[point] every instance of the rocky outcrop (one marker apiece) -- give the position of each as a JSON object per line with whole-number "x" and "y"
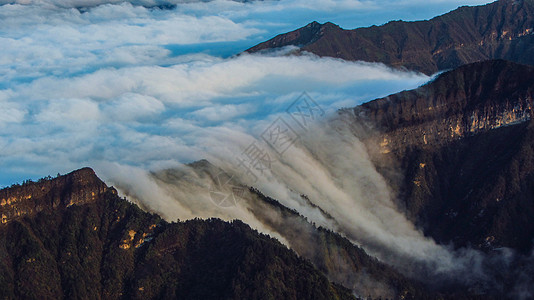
{"x": 500, "y": 30}
{"x": 76, "y": 188}
{"x": 469, "y": 100}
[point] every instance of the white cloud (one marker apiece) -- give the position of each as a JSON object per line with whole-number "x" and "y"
{"x": 144, "y": 114}
{"x": 69, "y": 110}
{"x": 223, "y": 112}
{"x": 10, "y": 112}
{"x": 130, "y": 107}
{"x": 118, "y": 83}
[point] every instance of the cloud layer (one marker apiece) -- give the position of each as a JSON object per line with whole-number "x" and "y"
{"x": 104, "y": 85}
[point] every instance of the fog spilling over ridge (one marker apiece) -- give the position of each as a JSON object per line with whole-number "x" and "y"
{"x": 158, "y": 99}
{"x": 343, "y": 192}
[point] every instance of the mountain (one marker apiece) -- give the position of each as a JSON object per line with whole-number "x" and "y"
{"x": 73, "y": 237}
{"x": 460, "y": 152}
{"x": 499, "y": 30}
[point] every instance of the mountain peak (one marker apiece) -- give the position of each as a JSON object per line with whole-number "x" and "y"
{"x": 300, "y": 37}
{"x": 313, "y": 24}
{"x": 78, "y": 187}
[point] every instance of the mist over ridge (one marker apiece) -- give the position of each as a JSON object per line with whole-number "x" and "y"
{"x": 161, "y": 102}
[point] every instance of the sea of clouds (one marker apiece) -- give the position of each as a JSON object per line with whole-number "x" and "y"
{"x": 131, "y": 88}
{"x": 83, "y": 83}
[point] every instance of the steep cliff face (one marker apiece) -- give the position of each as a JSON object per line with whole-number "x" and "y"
{"x": 502, "y": 29}
{"x": 82, "y": 186}
{"x": 463, "y": 145}
{"x": 467, "y": 101}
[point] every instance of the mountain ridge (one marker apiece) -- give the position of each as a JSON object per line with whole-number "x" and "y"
{"x": 333, "y": 254}
{"x": 471, "y": 99}
{"x": 94, "y": 246}
{"x": 79, "y": 211}
{"x": 499, "y": 30}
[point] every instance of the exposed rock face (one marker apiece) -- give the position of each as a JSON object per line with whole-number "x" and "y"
{"x": 464, "y": 147}
{"x": 79, "y": 187}
{"x": 74, "y": 238}
{"x": 502, "y": 29}
{"x": 469, "y": 100}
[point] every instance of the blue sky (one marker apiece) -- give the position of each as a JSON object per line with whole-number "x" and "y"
{"x": 119, "y": 83}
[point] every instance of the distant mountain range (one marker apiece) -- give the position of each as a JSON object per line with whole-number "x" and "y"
{"x": 463, "y": 140}
{"x": 500, "y": 30}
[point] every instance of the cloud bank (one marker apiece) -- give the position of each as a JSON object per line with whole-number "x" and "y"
{"x": 148, "y": 115}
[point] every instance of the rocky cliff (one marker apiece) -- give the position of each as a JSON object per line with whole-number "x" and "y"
{"x": 500, "y": 30}
{"x": 82, "y": 186}
{"x": 469, "y": 100}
